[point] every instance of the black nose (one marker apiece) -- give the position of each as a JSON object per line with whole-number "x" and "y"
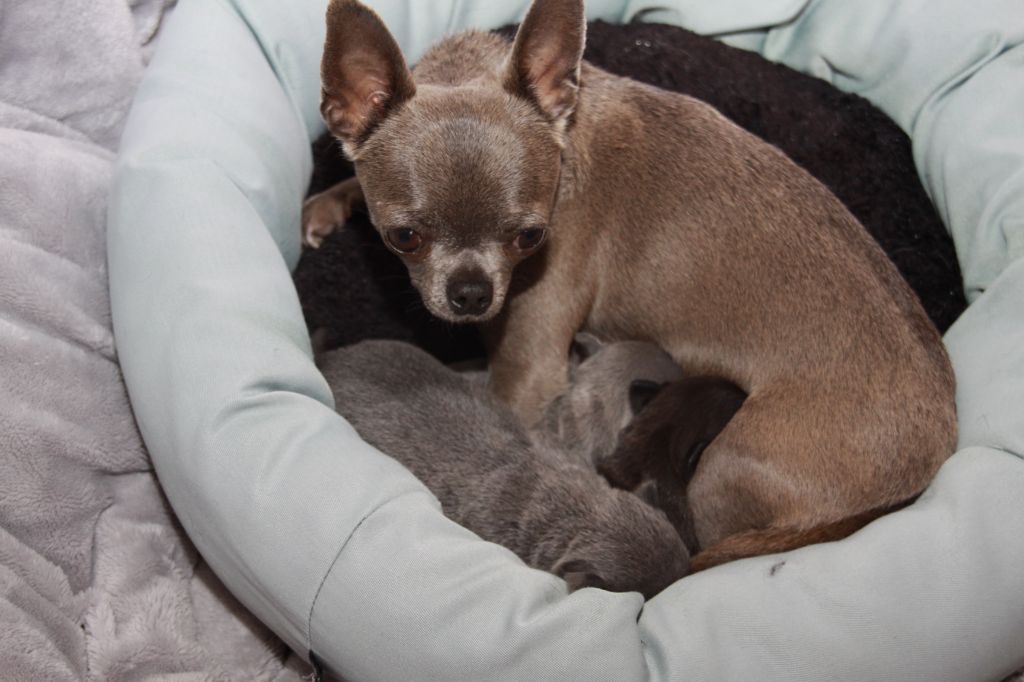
{"x": 470, "y": 297}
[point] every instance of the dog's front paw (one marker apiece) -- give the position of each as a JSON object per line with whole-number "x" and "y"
{"x": 320, "y": 217}
{"x": 325, "y": 212}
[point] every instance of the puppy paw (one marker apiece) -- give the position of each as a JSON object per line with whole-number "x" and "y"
{"x": 323, "y": 213}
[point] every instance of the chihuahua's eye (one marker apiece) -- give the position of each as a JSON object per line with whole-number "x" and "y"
{"x": 405, "y": 240}
{"x": 530, "y": 238}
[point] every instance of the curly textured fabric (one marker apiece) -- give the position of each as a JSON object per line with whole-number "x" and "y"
{"x": 342, "y": 551}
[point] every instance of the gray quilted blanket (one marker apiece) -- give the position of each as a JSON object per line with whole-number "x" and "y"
{"x": 97, "y": 581}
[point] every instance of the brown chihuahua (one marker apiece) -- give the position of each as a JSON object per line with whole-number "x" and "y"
{"x": 534, "y": 193}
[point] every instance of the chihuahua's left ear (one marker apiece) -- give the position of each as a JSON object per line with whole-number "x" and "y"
{"x": 545, "y": 63}
{"x": 363, "y": 73}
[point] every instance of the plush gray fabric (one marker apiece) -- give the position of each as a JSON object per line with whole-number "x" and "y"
{"x": 97, "y": 580}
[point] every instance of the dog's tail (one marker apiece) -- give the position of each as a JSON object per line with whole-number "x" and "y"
{"x": 763, "y": 541}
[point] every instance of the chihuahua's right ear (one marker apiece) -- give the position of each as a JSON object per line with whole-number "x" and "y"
{"x": 546, "y": 56}
{"x": 363, "y": 73}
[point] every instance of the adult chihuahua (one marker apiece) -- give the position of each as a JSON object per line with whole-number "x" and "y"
{"x": 538, "y": 195}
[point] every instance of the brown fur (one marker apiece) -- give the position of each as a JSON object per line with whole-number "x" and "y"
{"x": 665, "y": 222}
{"x": 777, "y": 540}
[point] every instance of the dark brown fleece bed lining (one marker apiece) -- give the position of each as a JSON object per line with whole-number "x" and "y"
{"x": 354, "y": 289}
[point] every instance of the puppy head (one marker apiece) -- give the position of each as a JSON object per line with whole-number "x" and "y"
{"x": 633, "y": 549}
{"x": 461, "y": 182}
{"x": 659, "y": 451}
{"x": 601, "y": 396}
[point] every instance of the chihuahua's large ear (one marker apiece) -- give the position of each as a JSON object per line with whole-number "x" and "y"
{"x": 363, "y": 73}
{"x": 545, "y": 63}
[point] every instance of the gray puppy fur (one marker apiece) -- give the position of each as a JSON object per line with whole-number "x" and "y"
{"x": 585, "y": 421}
{"x": 544, "y": 503}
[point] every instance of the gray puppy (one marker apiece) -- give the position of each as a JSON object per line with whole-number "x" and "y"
{"x": 522, "y": 491}
{"x": 608, "y": 385}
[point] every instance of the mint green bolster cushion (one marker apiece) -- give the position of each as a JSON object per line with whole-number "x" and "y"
{"x": 342, "y": 552}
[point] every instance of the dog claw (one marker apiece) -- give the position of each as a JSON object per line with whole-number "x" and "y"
{"x": 311, "y": 240}
{"x": 320, "y": 217}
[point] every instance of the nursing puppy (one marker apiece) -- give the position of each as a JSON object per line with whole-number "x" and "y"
{"x": 608, "y": 384}
{"x": 637, "y": 213}
{"x": 555, "y": 512}
{"x": 660, "y": 449}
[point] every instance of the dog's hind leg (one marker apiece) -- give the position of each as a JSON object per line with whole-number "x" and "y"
{"x": 786, "y": 462}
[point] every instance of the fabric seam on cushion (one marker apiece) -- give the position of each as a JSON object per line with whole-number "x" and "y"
{"x": 267, "y": 54}
{"x": 935, "y": 100}
{"x": 337, "y": 556}
{"x": 272, "y": 59}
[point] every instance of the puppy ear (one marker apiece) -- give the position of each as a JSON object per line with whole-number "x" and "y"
{"x": 545, "y": 62}
{"x": 584, "y": 345}
{"x": 642, "y": 392}
{"x": 686, "y": 467}
{"x": 363, "y": 73}
{"x": 648, "y": 492}
{"x": 578, "y": 573}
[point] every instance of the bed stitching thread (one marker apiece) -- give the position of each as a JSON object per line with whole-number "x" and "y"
{"x": 330, "y": 569}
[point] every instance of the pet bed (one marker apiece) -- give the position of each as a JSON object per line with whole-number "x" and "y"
{"x": 99, "y": 581}
{"x": 343, "y": 553}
